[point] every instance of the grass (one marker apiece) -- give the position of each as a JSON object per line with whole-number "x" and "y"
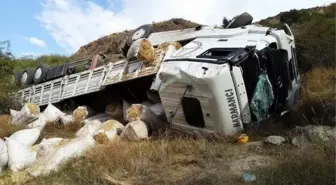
{"x": 315, "y": 165}
{"x": 162, "y": 161}
{"x": 7, "y": 129}
{"x": 319, "y": 84}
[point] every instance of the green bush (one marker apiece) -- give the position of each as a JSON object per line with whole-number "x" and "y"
{"x": 314, "y": 31}
{"x": 315, "y": 42}
{"x": 7, "y": 86}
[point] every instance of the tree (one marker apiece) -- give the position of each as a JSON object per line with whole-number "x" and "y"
{"x": 225, "y": 22}
{"x": 5, "y": 53}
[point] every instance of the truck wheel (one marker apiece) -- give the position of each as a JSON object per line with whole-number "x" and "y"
{"x": 241, "y": 20}
{"x": 141, "y": 32}
{"x": 40, "y": 73}
{"x": 27, "y": 77}
{"x": 18, "y": 75}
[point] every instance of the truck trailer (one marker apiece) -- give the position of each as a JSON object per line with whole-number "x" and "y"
{"x": 221, "y": 79}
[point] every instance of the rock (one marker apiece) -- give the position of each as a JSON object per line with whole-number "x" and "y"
{"x": 275, "y": 140}
{"x": 250, "y": 163}
{"x": 318, "y": 133}
{"x": 299, "y": 141}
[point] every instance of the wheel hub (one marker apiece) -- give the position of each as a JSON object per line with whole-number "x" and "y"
{"x": 24, "y": 77}
{"x": 138, "y": 34}
{"x": 38, "y": 73}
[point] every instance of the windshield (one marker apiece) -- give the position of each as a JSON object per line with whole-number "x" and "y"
{"x": 219, "y": 53}
{"x": 213, "y": 55}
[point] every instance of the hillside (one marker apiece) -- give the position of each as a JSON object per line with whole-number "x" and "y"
{"x": 110, "y": 43}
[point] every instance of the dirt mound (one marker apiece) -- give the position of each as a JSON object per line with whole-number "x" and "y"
{"x": 109, "y": 44}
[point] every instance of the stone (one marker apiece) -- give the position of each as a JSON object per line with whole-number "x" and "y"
{"x": 319, "y": 133}
{"x": 275, "y": 140}
{"x": 299, "y": 141}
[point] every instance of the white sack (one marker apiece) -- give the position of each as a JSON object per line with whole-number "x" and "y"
{"x": 3, "y": 155}
{"x": 154, "y": 116}
{"x": 102, "y": 117}
{"x": 89, "y": 128}
{"x": 13, "y": 113}
{"x": 39, "y": 123}
{"x": 19, "y": 155}
{"x": 28, "y": 113}
{"x": 52, "y": 113}
{"x": 48, "y": 146}
{"x": 110, "y": 129}
{"x": 135, "y": 130}
{"x": 27, "y": 137}
{"x": 53, "y": 161}
{"x": 67, "y": 119}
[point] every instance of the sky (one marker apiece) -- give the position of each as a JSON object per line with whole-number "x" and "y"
{"x": 37, "y": 27}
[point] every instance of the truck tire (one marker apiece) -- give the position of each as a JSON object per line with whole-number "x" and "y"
{"x": 141, "y": 32}
{"x": 18, "y": 75}
{"x": 241, "y": 20}
{"x": 27, "y": 77}
{"x": 41, "y": 73}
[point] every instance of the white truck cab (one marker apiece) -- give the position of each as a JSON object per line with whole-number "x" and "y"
{"x": 208, "y": 84}
{"x": 221, "y": 80}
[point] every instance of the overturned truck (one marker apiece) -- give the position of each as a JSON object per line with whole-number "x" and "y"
{"x": 207, "y": 79}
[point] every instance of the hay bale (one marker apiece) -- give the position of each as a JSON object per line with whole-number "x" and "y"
{"x": 111, "y": 124}
{"x": 81, "y": 113}
{"x": 108, "y": 131}
{"x": 134, "y": 112}
{"x": 146, "y": 52}
{"x": 33, "y": 109}
{"x": 135, "y": 131}
{"x": 28, "y": 113}
{"x": 101, "y": 138}
{"x": 143, "y": 50}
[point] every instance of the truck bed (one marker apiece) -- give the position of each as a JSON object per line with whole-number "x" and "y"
{"x": 88, "y": 81}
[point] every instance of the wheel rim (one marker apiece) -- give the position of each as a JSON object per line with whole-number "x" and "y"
{"x": 138, "y": 34}
{"x": 38, "y": 73}
{"x": 24, "y": 77}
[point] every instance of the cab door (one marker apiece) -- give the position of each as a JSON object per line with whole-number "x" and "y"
{"x": 294, "y": 76}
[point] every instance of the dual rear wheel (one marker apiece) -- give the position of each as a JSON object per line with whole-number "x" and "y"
{"x": 31, "y": 76}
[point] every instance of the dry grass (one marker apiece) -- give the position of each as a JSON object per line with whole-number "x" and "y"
{"x": 7, "y": 129}
{"x": 55, "y": 129}
{"x": 176, "y": 161}
{"x": 311, "y": 166}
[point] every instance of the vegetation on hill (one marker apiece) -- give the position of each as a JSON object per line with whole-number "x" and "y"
{"x": 9, "y": 65}
{"x": 314, "y": 31}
